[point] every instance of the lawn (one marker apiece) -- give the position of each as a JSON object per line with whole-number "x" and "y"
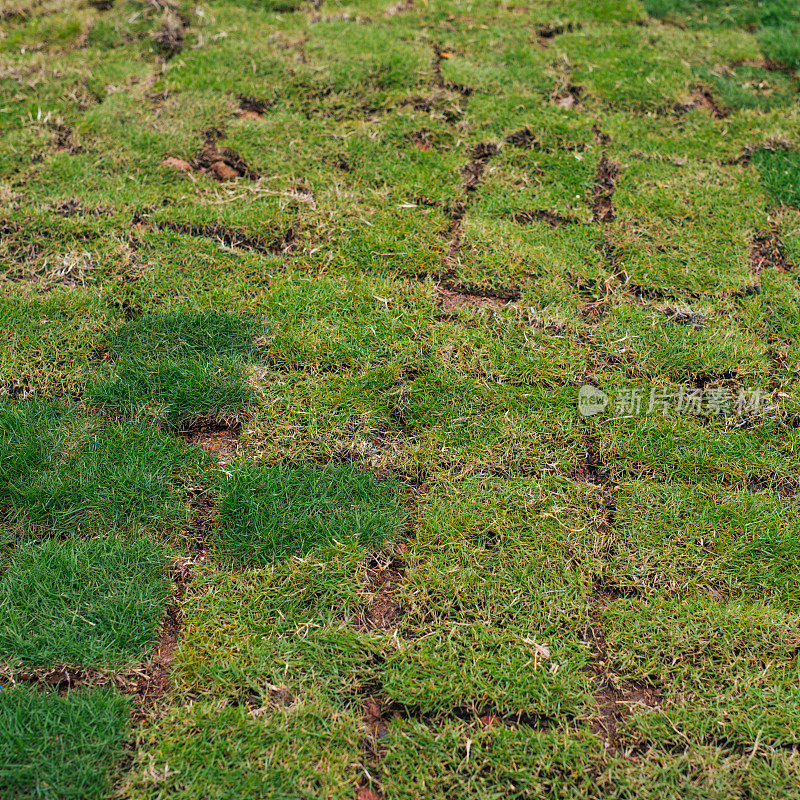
{"x": 399, "y": 399}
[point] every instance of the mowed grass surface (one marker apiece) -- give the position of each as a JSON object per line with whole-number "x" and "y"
{"x": 367, "y": 253}
{"x": 55, "y": 746}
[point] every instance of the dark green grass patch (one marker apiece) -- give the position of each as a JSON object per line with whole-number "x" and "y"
{"x": 102, "y": 477}
{"x": 59, "y": 747}
{"x": 750, "y": 87}
{"x": 777, "y": 22}
{"x": 780, "y": 174}
{"x": 177, "y": 365}
{"x": 197, "y": 334}
{"x": 172, "y": 390}
{"x": 271, "y": 512}
{"x": 781, "y": 43}
{"x": 744, "y": 13}
{"x": 30, "y": 435}
{"x": 88, "y": 603}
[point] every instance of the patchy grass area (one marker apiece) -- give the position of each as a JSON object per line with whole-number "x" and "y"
{"x": 299, "y": 300}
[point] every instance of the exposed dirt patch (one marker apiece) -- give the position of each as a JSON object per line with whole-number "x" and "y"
{"x": 399, "y": 8}
{"x": 198, "y": 532}
{"x": 779, "y": 485}
{"x": 684, "y": 316}
{"x": 568, "y": 96}
{"x": 286, "y": 243}
{"x": 603, "y": 139}
{"x": 593, "y": 469}
{"x": 524, "y": 138}
{"x": 703, "y": 379}
{"x": 772, "y": 145}
{"x": 73, "y": 207}
{"x": 506, "y": 294}
{"x": 385, "y": 573}
{"x": 452, "y": 301}
{"x": 379, "y": 710}
{"x": 220, "y": 437}
{"x": 421, "y": 139}
{"x": 169, "y": 38}
{"x": 154, "y": 677}
{"x": 262, "y": 703}
{"x": 439, "y": 106}
{"x": 366, "y": 793}
{"x": 762, "y": 63}
{"x": 702, "y": 98}
{"x": 615, "y": 699}
{"x": 472, "y": 174}
{"x": 552, "y": 218}
{"x": 616, "y": 704}
{"x": 177, "y": 164}
{"x": 660, "y": 293}
{"x": 767, "y": 252}
{"x": 253, "y": 107}
{"x": 223, "y": 163}
{"x": 454, "y": 295}
{"x": 602, "y": 194}
{"x": 549, "y": 30}
{"x": 749, "y": 290}
{"x": 64, "y": 140}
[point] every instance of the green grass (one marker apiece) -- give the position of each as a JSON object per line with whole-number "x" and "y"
{"x": 115, "y": 476}
{"x": 780, "y": 173}
{"x": 269, "y": 513}
{"x": 199, "y": 335}
{"x": 751, "y": 88}
{"x": 60, "y": 747}
{"x": 177, "y": 366}
{"x": 85, "y": 603}
{"x": 170, "y": 391}
{"x": 395, "y": 436}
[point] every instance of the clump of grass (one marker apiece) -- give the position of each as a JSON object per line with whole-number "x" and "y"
{"x": 742, "y": 13}
{"x": 87, "y": 603}
{"x": 117, "y": 476}
{"x": 780, "y": 174}
{"x": 60, "y": 747}
{"x": 268, "y": 513}
{"x": 750, "y": 87}
{"x": 176, "y": 390}
{"x": 196, "y": 335}
{"x": 781, "y": 44}
{"x": 777, "y": 22}
{"x": 30, "y": 435}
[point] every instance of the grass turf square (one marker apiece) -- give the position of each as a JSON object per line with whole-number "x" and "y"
{"x": 88, "y": 603}
{"x": 57, "y": 747}
{"x": 271, "y": 512}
